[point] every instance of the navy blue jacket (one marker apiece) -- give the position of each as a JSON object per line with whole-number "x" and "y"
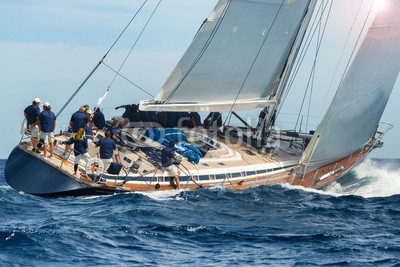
{"x": 79, "y": 120}
{"x": 166, "y": 154}
{"x": 98, "y": 120}
{"x": 113, "y": 130}
{"x": 197, "y": 119}
{"x": 89, "y": 130}
{"x": 32, "y": 113}
{"x": 132, "y": 113}
{"x": 47, "y": 119}
{"x": 80, "y": 145}
{"x": 107, "y": 147}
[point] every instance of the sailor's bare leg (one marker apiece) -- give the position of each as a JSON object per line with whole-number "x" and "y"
{"x": 52, "y": 149}
{"x": 176, "y": 180}
{"x": 35, "y": 142}
{"x": 45, "y": 149}
{"x": 117, "y": 158}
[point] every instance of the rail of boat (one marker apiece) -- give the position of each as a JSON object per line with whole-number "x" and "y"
{"x": 140, "y": 173}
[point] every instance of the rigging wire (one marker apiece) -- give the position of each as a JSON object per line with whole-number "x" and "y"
{"x": 302, "y": 55}
{"x": 126, "y": 79}
{"x": 254, "y": 61}
{"x": 319, "y": 42}
{"x": 126, "y": 27}
{"x": 357, "y": 42}
{"x": 100, "y": 62}
{"x": 342, "y": 53}
{"x": 134, "y": 45}
{"x": 348, "y": 63}
{"x": 320, "y": 37}
{"x": 203, "y": 50}
{"x": 317, "y": 21}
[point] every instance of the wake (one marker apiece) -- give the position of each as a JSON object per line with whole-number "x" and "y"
{"x": 372, "y": 178}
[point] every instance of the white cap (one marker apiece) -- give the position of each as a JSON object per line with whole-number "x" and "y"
{"x": 37, "y": 100}
{"x": 46, "y": 104}
{"x": 89, "y": 112}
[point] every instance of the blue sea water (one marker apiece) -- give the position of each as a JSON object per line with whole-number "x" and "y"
{"x": 354, "y": 223}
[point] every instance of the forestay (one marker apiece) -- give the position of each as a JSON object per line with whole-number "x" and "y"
{"x": 236, "y": 59}
{"x": 357, "y": 107}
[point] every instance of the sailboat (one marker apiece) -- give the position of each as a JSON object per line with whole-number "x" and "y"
{"x": 241, "y": 58}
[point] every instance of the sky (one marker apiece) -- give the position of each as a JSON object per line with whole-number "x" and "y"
{"x": 47, "y": 48}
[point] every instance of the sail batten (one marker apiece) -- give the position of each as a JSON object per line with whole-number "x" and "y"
{"x": 360, "y": 100}
{"x": 238, "y": 55}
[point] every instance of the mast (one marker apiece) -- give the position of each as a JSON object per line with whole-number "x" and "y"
{"x": 237, "y": 58}
{"x": 269, "y": 115}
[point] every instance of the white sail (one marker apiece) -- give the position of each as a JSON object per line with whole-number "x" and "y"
{"x": 358, "y": 105}
{"x": 237, "y": 57}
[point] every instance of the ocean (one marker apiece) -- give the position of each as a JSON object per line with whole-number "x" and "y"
{"x": 355, "y": 223}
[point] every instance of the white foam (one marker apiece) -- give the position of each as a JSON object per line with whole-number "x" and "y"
{"x": 163, "y": 195}
{"x": 195, "y": 229}
{"x": 97, "y": 196}
{"x": 7, "y": 187}
{"x": 372, "y": 179}
{"x": 311, "y": 190}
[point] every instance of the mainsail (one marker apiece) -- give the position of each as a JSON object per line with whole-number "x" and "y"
{"x": 237, "y": 58}
{"x": 357, "y": 107}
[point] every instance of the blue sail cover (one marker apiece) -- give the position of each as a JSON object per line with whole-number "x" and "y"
{"x": 182, "y": 146}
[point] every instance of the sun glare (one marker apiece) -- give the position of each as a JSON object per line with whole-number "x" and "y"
{"x": 381, "y": 5}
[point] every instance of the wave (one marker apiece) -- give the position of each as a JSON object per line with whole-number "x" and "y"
{"x": 371, "y": 178}
{"x": 163, "y": 195}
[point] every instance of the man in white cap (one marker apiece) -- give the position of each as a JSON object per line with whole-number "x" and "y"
{"x": 47, "y": 126}
{"x": 31, "y": 114}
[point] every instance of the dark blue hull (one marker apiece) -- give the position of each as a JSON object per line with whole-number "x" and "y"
{"x": 31, "y": 175}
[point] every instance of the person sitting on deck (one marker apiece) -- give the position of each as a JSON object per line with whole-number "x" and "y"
{"x": 80, "y": 147}
{"x": 107, "y": 148}
{"x": 167, "y": 162}
{"x": 31, "y": 114}
{"x": 48, "y": 123}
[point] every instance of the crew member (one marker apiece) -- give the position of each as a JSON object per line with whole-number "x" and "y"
{"x": 114, "y": 136}
{"x": 48, "y": 123}
{"x": 107, "y": 148}
{"x": 80, "y": 147}
{"x": 99, "y": 120}
{"x": 31, "y": 114}
{"x": 213, "y": 120}
{"x": 78, "y": 120}
{"x": 167, "y": 161}
{"x": 131, "y": 116}
{"x": 89, "y": 125}
{"x": 195, "y": 120}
